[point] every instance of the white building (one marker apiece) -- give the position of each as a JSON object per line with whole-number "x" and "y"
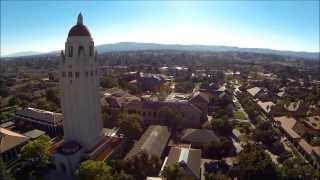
{"x": 79, "y": 85}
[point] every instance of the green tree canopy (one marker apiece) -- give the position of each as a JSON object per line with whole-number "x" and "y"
{"x": 137, "y": 167}
{"x": 216, "y": 176}
{"x": 52, "y": 96}
{"x": 254, "y": 164}
{"x": 37, "y": 151}
{"x": 296, "y": 169}
{"x": 222, "y": 126}
{"x": 4, "y": 175}
{"x": 108, "y": 81}
{"x": 172, "y": 172}
{"x": 171, "y": 117}
{"x": 93, "y": 170}
{"x": 217, "y": 149}
{"x": 130, "y": 124}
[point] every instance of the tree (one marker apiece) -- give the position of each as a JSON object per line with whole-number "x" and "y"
{"x": 172, "y": 172}
{"x": 143, "y": 165}
{"x": 296, "y": 169}
{"x": 37, "y": 151}
{"x": 216, "y": 176}
{"x": 105, "y": 119}
{"x": 122, "y": 176}
{"x": 52, "y": 96}
{"x": 13, "y": 101}
{"x": 222, "y": 126}
{"x": 130, "y": 124}
{"x": 4, "y": 175}
{"x": 171, "y": 117}
{"x": 42, "y": 104}
{"x": 184, "y": 87}
{"x": 218, "y": 148}
{"x": 254, "y": 163}
{"x": 137, "y": 167}
{"x": 93, "y": 170}
{"x": 108, "y": 81}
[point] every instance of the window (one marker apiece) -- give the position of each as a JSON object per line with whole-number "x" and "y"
{"x": 70, "y": 51}
{"x": 91, "y": 73}
{"x": 87, "y": 74}
{"x": 91, "y": 50}
{"x": 80, "y": 49}
{"x": 70, "y": 74}
{"x": 63, "y": 74}
{"x": 77, "y": 74}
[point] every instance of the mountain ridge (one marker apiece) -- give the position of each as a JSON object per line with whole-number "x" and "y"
{"x": 135, "y": 46}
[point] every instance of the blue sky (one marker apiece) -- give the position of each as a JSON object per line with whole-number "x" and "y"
{"x": 43, "y": 25}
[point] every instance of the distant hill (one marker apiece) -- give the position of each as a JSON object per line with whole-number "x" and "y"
{"x": 133, "y": 46}
{"x": 24, "y": 53}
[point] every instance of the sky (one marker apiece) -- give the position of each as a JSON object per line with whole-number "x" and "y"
{"x": 43, "y": 26}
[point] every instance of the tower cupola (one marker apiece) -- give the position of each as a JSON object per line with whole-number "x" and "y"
{"x": 79, "y": 29}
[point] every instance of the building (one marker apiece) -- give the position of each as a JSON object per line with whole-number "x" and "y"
{"x": 201, "y": 100}
{"x": 114, "y": 100}
{"x": 288, "y": 126}
{"x": 150, "y": 111}
{"x": 153, "y": 142}
{"x": 194, "y": 107}
{"x": 188, "y": 159}
{"x": 10, "y": 144}
{"x": 31, "y": 118}
{"x": 34, "y": 134}
{"x": 266, "y": 106}
{"x": 254, "y": 91}
{"x": 198, "y": 137}
{"x": 151, "y": 82}
{"x": 79, "y": 86}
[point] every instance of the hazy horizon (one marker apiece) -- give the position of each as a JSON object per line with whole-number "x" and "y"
{"x": 43, "y": 25}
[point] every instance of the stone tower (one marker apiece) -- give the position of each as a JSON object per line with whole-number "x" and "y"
{"x": 79, "y": 87}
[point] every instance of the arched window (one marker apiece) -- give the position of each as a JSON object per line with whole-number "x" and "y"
{"x": 91, "y": 50}
{"x": 77, "y": 74}
{"x": 81, "y": 48}
{"x": 70, "y": 51}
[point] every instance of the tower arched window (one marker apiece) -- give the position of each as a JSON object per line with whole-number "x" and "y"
{"x": 70, "y": 51}
{"x": 81, "y": 49}
{"x": 91, "y": 50}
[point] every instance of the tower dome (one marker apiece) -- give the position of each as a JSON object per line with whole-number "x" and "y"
{"x": 79, "y": 29}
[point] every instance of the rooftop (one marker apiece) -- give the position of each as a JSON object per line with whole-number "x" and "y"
{"x": 293, "y": 106}
{"x": 43, "y": 115}
{"x": 10, "y": 139}
{"x": 189, "y": 159}
{"x": 7, "y": 124}
{"x": 202, "y": 136}
{"x": 153, "y": 141}
{"x": 254, "y": 91}
{"x": 287, "y": 124}
{"x": 35, "y": 133}
{"x": 79, "y": 29}
{"x": 266, "y": 106}
{"x": 313, "y": 121}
